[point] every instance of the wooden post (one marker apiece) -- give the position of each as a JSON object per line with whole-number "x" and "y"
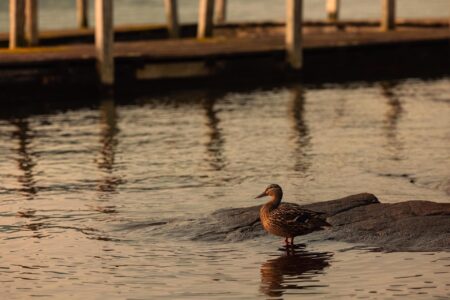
{"x": 172, "y": 18}
{"x": 104, "y": 40}
{"x": 294, "y": 11}
{"x": 220, "y": 11}
{"x": 333, "y": 10}
{"x": 388, "y": 15}
{"x": 82, "y": 13}
{"x": 16, "y": 23}
{"x": 31, "y": 22}
{"x": 205, "y": 19}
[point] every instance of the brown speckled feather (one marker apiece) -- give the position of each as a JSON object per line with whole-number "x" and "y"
{"x": 294, "y": 212}
{"x": 290, "y": 220}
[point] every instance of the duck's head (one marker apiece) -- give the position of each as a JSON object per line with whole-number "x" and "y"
{"x": 273, "y": 190}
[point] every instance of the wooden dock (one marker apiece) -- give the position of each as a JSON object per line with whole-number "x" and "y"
{"x": 107, "y": 56}
{"x": 221, "y": 46}
{"x": 293, "y": 46}
{"x": 235, "y": 50}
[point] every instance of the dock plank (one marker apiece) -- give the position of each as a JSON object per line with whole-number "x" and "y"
{"x": 217, "y": 47}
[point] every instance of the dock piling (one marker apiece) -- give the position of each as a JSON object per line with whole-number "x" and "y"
{"x": 82, "y": 13}
{"x": 205, "y": 18}
{"x": 332, "y": 7}
{"x": 171, "y": 7}
{"x": 220, "y": 13}
{"x": 104, "y": 41}
{"x": 388, "y": 15}
{"x": 294, "y": 12}
{"x": 16, "y": 24}
{"x": 31, "y": 22}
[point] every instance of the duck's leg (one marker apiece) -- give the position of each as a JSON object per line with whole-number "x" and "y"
{"x": 292, "y": 241}
{"x": 286, "y": 241}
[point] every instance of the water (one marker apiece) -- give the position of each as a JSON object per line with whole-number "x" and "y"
{"x": 61, "y": 13}
{"x": 83, "y": 190}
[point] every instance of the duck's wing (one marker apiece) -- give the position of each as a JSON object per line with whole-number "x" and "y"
{"x": 294, "y": 213}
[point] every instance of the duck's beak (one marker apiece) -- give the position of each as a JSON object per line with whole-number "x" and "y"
{"x": 261, "y": 195}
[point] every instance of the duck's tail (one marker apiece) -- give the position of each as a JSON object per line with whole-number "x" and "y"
{"x": 321, "y": 221}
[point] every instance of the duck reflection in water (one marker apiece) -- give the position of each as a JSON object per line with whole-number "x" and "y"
{"x": 293, "y": 272}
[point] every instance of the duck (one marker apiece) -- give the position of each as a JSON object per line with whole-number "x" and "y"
{"x": 288, "y": 220}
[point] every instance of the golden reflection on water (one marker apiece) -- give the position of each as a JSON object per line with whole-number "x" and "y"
{"x": 293, "y": 271}
{"x": 74, "y": 169}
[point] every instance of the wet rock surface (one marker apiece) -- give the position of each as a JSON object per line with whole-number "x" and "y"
{"x": 361, "y": 218}
{"x": 404, "y": 226}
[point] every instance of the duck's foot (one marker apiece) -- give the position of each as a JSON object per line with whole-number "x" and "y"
{"x": 290, "y": 246}
{"x": 298, "y": 246}
{"x": 293, "y": 249}
{"x": 286, "y": 245}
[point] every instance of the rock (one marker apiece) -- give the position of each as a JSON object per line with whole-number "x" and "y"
{"x": 404, "y": 226}
{"x": 236, "y": 224}
{"x": 361, "y": 218}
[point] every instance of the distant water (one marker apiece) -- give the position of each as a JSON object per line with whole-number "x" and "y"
{"x": 61, "y": 13}
{"x": 75, "y": 181}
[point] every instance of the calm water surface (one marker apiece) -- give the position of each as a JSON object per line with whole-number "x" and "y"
{"x": 80, "y": 189}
